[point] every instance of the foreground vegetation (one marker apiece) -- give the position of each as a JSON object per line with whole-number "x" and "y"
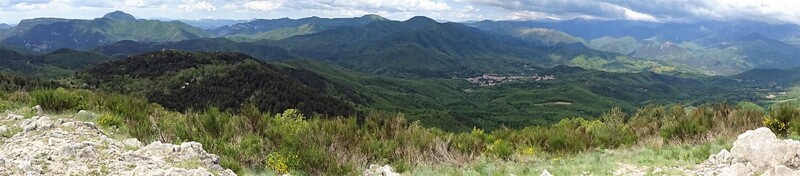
{"x": 290, "y": 142}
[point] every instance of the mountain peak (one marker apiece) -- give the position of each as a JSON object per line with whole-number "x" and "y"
{"x": 119, "y": 16}
{"x": 374, "y": 17}
{"x": 421, "y": 21}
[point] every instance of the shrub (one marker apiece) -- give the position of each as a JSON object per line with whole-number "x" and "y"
{"x": 109, "y": 120}
{"x": 132, "y": 111}
{"x": 780, "y": 117}
{"x": 251, "y": 150}
{"x": 501, "y": 148}
{"x": 567, "y": 136}
{"x": 58, "y": 100}
{"x": 646, "y": 121}
{"x": 279, "y": 162}
{"x": 684, "y": 127}
{"x": 529, "y": 151}
{"x": 288, "y": 128}
{"x": 612, "y": 131}
{"x": 470, "y": 143}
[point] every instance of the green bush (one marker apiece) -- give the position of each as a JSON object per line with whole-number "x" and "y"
{"x": 646, "y": 122}
{"x": 612, "y": 131}
{"x": 57, "y": 100}
{"x": 781, "y": 118}
{"x": 501, "y": 148}
{"x": 566, "y": 137}
{"x": 281, "y": 162}
{"x": 473, "y": 142}
{"x": 109, "y": 120}
{"x": 684, "y": 127}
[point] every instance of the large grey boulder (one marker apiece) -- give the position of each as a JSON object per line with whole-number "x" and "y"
{"x": 755, "y": 152}
{"x": 764, "y": 150}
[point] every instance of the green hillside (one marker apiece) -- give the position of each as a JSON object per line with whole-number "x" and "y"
{"x": 547, "y": 36}
{"x": 74, "y": 60}
{"x": 455, "y": 104}
{"x": 198, "y": 80}
{"x": 278, "y": 34}
{"x": 85, "y": 34}
{"x": 57, "y": 64}
{"x": 624, "y": 45}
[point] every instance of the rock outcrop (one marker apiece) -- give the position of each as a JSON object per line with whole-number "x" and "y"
{"x": 755, "y": 152}
{"x": 48, "y": 146}
{"x": 545, "y": 173}
{"x": 377, "y": 170}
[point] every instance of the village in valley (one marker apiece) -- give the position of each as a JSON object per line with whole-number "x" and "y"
{"x": 493, "y": 80}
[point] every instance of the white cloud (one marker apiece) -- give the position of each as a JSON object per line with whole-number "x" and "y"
{"x": 263, "y": 6}
{"x": 375, "y": 5}
{"x": 33, "y": 5}
{"x": 138, "y": 4}
{"x": 231, "y": 6}
{"x": 191, "y": 5}
{"x": 776, "y": 11}
{"x": 634, "y": 15}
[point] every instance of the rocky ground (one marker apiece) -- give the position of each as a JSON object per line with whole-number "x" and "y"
{"x": 755, "y": 152}
{"x": 41, "y": 145}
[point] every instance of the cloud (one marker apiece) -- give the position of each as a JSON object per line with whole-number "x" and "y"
{"x": 649, "y": 10}
{"x": 263, "y": 6}
{"x": 397, "y": 9}
{"x": 191, "y": 5}
{"x": 566, "y": 9}
{"x": 126, "y": 4}
{"x": 773, "y": 11}
{"x": 38, "y": 4}
{"x": 230, "y": 6}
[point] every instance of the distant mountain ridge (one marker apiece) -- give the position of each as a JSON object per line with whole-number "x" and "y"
{"x": 262, "y": 25}
{"x": 707, "y": 32}
{"x": 55, "y": 64}
{"x": 421, "y": 46}
{"x": 52, "y": 34}
{"x": 210, "y": 23}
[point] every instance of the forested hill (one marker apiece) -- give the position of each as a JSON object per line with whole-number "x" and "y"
{"x": 182, "y": 81}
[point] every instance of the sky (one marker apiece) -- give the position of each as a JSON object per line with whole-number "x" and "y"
{"x": 771, "y": 11}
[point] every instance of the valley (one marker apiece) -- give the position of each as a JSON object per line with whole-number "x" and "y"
{"x": 332, "y": 96}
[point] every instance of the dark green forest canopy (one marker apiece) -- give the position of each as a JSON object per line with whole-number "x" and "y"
{"x": 197, "y": 80}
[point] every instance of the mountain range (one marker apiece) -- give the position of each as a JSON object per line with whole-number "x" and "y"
{"x": 450, "y": 75}
{"x": 52, "y": 34}
{"x": 375, "y": 44}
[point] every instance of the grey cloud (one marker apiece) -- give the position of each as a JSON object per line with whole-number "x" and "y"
{"x": 661, "y": 10}
{"x": 565, "y": 8}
